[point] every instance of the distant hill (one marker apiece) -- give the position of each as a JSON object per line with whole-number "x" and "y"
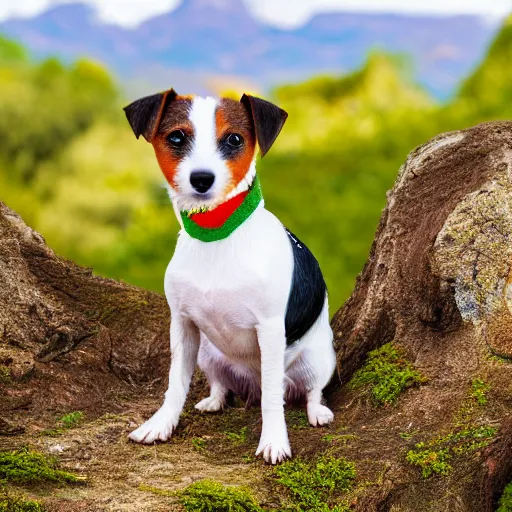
{"x": 201, "y": 40}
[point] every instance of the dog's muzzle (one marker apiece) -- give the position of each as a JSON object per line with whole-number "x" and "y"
{"x": 202, "y": 181}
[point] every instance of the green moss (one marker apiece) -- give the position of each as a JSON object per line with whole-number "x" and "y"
{"x": 386, "y": 374}
{"x": 408, "y": 435}
{"x": 210, "y": 496}
{"x": 505, "y": 503}
{"x": 249, "y": 457}
{"x": 5, "y": 374}
{"x": 297, "y": 419}
{"x": 430, "y": 461}
{"x": 338, "y": 438}
{"x": 71, "y": 419}
{"x": 238, "y": 438}
{"x": 316, "y": 486}
{"x": 25, "y": 466}
{"x": 433, "y": 457}
{"x": 199, "y": 443}
{"x": 156, "y": 490}
{"x": 479, "y": 391}
{"x": 9, "y": 503}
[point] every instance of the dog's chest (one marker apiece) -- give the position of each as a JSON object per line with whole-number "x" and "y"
{"x": 220, "y": 304}
{"x": 226, "y": 288}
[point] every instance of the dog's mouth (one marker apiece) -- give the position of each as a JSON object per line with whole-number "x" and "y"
{"x": 207, "y": 201}
{"x": 199, "y": 209}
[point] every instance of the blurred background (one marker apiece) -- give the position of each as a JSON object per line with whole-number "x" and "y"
{"x": 364, "y": 82}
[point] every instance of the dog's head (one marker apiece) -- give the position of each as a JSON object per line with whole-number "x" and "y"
{"x": 206, "y": 147}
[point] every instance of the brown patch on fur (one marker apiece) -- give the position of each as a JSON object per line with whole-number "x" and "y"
{"x": 174, "y": 117}
{"x": 232, "y": 117}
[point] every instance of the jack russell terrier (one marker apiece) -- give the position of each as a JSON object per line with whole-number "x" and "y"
{"x": 248, "y": 300}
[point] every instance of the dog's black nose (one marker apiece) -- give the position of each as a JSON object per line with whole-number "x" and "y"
{"x": 202, "y": 180}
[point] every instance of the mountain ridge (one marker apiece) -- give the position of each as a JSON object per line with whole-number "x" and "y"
{"x": 199, "y": 40}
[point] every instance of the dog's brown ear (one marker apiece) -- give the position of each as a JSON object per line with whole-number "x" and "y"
{"x": 145, "y": 114}
{"x": 268, "y": 120}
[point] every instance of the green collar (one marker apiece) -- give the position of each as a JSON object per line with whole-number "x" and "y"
{"x": 232, "y": 222}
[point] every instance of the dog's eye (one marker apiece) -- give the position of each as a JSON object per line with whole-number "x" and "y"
{"x": 235, "y": 140}
{"x": 177, "y": 138}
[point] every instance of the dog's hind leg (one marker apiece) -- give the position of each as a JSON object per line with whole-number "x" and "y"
{"x": 319, "y": 361}
{"x": 211, "y": 362}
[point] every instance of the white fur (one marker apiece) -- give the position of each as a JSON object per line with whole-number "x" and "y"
{"x": 228, "y": 302}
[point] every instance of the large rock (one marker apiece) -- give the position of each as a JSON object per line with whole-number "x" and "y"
{"x": 77, "y": 336}
{"x": 437, "y": 282}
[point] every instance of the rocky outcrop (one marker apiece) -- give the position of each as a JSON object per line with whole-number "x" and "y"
{"x": 77, "y": 336}
{"x": 437, "y": 282}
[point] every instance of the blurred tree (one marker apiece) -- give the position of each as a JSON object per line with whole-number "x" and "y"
{"x": 487, "y": 93}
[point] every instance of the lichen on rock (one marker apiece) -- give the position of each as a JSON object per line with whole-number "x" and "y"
{"x": 473, "y": 250}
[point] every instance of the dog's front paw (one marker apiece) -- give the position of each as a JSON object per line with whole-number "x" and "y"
{"x": 274, "y": 449}
{"x": 319, "y": 415}
{"x": 210, "y": 404}
{"x": 158, "y": 428}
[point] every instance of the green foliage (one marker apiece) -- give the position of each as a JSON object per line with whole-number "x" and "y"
{"x": 71, "y": 419}
{"x": 44, "y": 106}
{"x": 156, "y": 490}
{"x": 433, "y": 457}
{"x": 71, "y": 167}
{"x": 11, "y": 52}
{"x": 12, "y": 503}
{"x": 210, "y": 496}
{"x": 318, "y": 485}
{"x": 238, "y": 438}
{"x": 479, "y": 390}
{"x": 430, "y": 461}
{"x": 5, "y": 374}
{"x": 338, "y": 438}
{"x": 386, "y": 374}
{"x": 505, "y": 503}
{"x": 488, "y": 91}
{"x": 25, "y": 466}
{"x": 199, "y": 444}
{"x": 297, "y": 419}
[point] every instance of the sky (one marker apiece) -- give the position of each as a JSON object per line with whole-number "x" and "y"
{"x": 282, "y": 13}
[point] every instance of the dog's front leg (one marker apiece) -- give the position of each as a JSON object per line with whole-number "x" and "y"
{"x": 184, "y": 348}
{"x": 274, "y": 442}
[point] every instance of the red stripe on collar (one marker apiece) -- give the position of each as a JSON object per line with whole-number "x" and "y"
{"x": 218, "y": 216}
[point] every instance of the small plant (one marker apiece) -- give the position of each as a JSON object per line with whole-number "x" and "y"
{"x": 71, "y": 419}
{"x": 505, "y": 503}
{"x": 66, "y": 422}
{"x": 25, "y": 466}
{"x": 238, "y": 438}
{"x": 433, "y": 457}
{"x": 386, "y": 374}
{"x": 430, "y": 461}
{"x": 9, "y": 503}
{"x": 210, "y": 496}
{"x": 479, "y": 390}
{"x": 313, "y": 486}
{"x": 199, "y": 444}
{"x": 297, "y": 419}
